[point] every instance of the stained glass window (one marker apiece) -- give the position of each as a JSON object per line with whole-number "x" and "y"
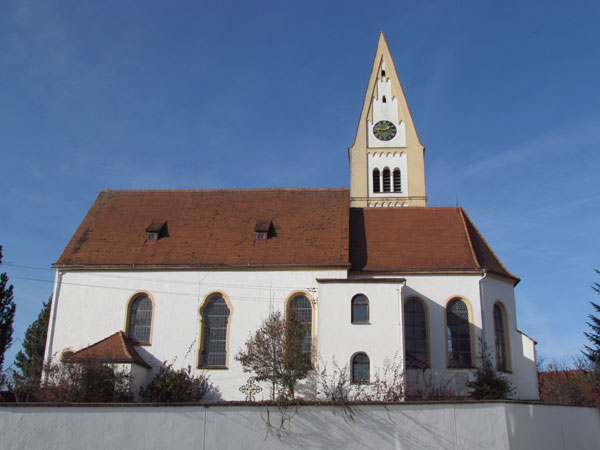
{"x": 415, "y": 334}
{"x": 499, "y": 338}
{"x": 140, "y": 319}
{"x": 459, "y": 334}
{"x": 215, "y": 319}
{"x": 302, "y": 307}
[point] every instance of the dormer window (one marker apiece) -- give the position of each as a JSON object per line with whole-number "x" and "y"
{"x": 263, "y": 230}
{"x": 155, "y": 231}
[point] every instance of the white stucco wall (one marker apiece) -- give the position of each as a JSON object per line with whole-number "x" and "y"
{"x": 91, "y": 305}
{"x": 522, "y": 369}
{"x": 462, "y": 426}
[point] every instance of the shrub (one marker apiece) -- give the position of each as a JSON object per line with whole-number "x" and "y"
{"x": 86, "y": 382}
{"x": 176, "y": 386}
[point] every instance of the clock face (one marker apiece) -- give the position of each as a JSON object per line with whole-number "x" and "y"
{"x": 384, "y": 130}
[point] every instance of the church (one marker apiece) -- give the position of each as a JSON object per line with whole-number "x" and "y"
{"x": 184, "y": 277}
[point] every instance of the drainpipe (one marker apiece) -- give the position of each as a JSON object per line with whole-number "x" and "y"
{"x": 52, "y": 321}
{"x": 481, "y": 302}
{"x": 400, "y": 321}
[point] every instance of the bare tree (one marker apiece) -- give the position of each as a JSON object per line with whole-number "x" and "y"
{"x": 275, "y": 354}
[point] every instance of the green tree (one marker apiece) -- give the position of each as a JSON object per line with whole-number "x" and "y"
{"x": 274, "y": 354}
{"x": 592, "y": 352}
{"x": 7, "y": 313}
{"x": 30, "y": 360}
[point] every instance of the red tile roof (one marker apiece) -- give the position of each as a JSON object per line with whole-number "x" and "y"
{"x": 418, "y": 240}
{"x": 310, "y": 228}
{"x": 117, "y": 348}
{"x": 213, "y": 228}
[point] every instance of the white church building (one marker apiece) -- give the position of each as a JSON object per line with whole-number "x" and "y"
{"x": 185, "y": 277}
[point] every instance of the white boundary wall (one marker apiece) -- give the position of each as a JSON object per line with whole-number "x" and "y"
{"x": 399, "y": 426}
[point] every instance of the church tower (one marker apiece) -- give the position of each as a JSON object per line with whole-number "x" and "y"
{"x": 386, "y": 157}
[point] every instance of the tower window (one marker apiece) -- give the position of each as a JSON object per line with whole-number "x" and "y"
{"x": 360, "y": 368}
{"x": 397, "y": 181}
{"x": 384, "y": 100}
{"x": 360, "y": 309}
{"x": 386, "y": 180}
{"x": 376, "y": 180}
{"x": 383, "y": 72}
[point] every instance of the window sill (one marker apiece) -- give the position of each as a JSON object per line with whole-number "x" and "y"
{"x": 360, "y": 323}
{"x": 213, "y": 368}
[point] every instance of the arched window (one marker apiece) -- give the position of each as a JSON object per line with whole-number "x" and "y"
{"x": 139, "y": 323}
{"x": 215, "y": 321}
{"x": 376, "y": 180}
{"x": 360, "y": 368}
{"x": 360, "y": 309}
{"x": 459, "y": 334}
{"x": 397, "y": 181}
{"x": 386, "y": 180}
{"x": 302, "y": 307}
{"x": 415, "y": 334}
{"x": 500, "y": 338}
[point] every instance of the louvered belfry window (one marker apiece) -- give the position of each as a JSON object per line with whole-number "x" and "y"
{"x": 140, "y": 320}
{"x": 386, "y": 180}
{"x": 302, "y": 307}
{"x": 415, "y": 329}
{"x": 397, "y": 181}
{"x": 215, "y": 320}
{"x": 459, "y": 334}
{"x": 376, "y": 180}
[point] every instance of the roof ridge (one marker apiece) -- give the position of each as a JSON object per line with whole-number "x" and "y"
{"x": 461, "y": 213}
{"x": 230, "y": 190}
{"x": 124, "y": 344}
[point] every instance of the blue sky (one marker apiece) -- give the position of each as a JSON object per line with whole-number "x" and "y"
{"x": 505, "y": 97}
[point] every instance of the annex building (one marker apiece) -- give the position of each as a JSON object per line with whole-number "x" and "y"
{"x": 184, "y": 277}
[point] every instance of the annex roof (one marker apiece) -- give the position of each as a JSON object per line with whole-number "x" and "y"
{"x": 115, "y": 349}
{"x": 415, "y": 239}
{"x": 213, "y": 228}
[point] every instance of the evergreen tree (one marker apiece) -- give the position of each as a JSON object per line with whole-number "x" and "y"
{"x": 593, "y": 352}
{"x": 30, "y": 360}
{"x": 7, "y": 313}
{"x": 488, "y": 384}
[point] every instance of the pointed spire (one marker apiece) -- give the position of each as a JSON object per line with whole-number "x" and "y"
{"x": 385, "y": 125}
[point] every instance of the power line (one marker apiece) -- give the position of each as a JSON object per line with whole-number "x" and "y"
{"x": 183, "y": 294}
{"x": 162, "y": 280}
